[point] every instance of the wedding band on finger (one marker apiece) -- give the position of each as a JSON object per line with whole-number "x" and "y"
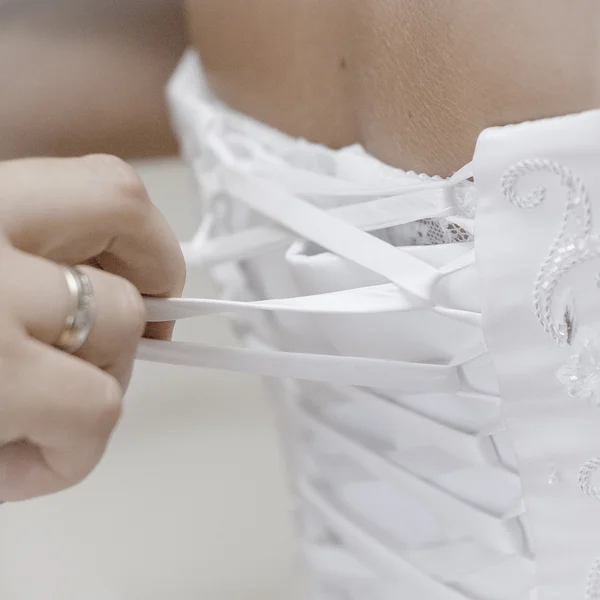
{"x": 82, "y": 311}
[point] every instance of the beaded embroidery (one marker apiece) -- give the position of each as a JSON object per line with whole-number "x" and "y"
{"x": 574, "y": 245}
{"x": 581, "y": 375}
{"x": 592, "y": 587}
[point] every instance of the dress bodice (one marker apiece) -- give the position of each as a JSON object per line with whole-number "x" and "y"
{"x": 439, "y": 423}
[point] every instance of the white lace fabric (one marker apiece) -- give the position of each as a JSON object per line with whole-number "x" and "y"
{"x": 355, "y": 290}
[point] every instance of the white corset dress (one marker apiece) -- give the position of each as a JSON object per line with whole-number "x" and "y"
{"x": 440, "y": 424}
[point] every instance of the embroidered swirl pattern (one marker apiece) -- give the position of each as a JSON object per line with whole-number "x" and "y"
{"x": 574, "y": 245}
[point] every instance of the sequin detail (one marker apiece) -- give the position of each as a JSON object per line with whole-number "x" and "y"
{"x": 556, "y": 313}
{"x": 573, "y": 245}
{"x": 592, "y": 586}
{"x": 585, "y": 475}
{"x": 580, "y": 376}
{"x": 553, "y": 476}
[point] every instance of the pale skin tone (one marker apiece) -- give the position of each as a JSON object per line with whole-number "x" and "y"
{"x": 57, "y": 410}
{"x": 414, "y": 81}
{"x": 78, "y": 77}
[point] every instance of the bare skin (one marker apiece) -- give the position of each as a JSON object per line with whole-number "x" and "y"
{"x": 57, "y": 409}
{"x": 415, "y": 81}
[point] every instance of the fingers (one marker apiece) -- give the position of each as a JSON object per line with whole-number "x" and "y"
{"x": 118, "y": 327}
{"x": 57, "y": 410}
{"x": 93, "y": 208}
{"x": 41, "y": 301}
{"x": 56, "y": 416}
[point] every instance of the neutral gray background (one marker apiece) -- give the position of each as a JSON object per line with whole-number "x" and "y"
{"x": 189, "y": 502}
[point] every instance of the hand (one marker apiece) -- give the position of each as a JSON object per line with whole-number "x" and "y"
{"x": 58, "y": 410}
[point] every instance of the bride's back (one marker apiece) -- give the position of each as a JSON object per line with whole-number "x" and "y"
{"x": 414, "y": 80}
